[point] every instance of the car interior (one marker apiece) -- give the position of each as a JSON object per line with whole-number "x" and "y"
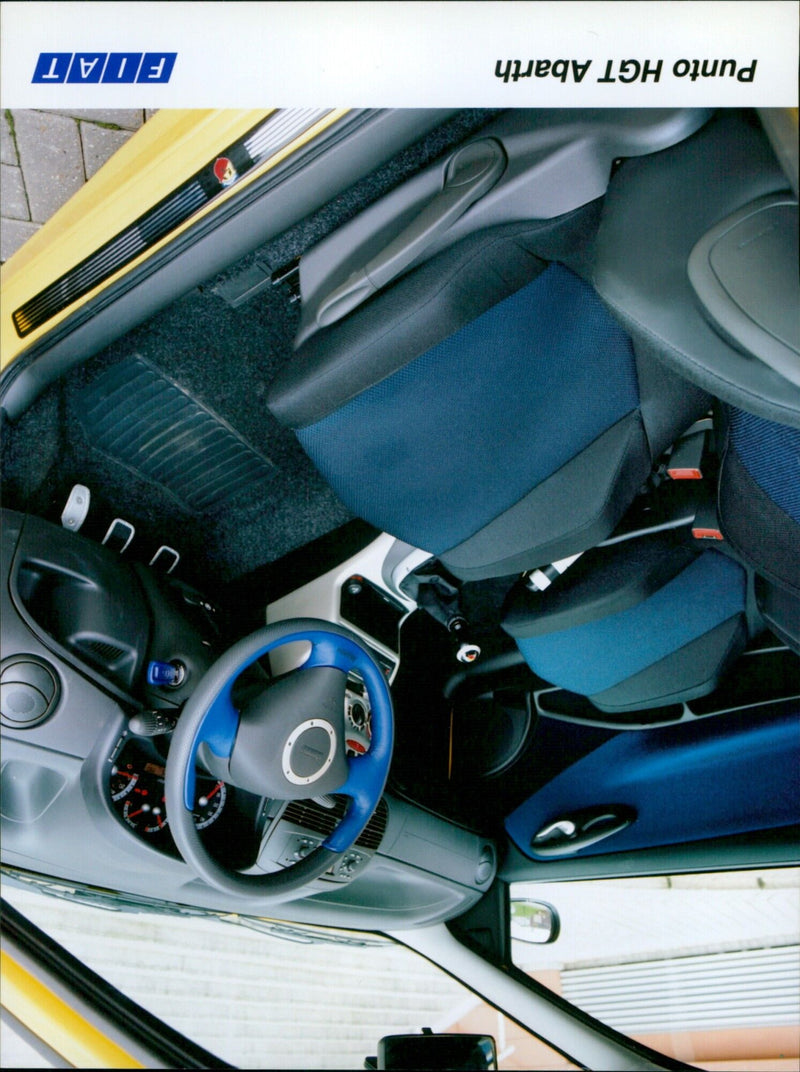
{"x": 429, "y": 514}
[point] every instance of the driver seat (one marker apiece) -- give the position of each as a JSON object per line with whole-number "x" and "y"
{"x": 486, "y": 407}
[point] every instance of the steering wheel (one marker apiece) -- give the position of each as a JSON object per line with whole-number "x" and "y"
{"x": 288, "y": 743}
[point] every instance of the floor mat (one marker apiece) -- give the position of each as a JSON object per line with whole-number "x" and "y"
{"x": 136, "y": 415}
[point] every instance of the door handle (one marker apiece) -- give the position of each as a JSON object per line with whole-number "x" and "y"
{"x": 580, "y": 829}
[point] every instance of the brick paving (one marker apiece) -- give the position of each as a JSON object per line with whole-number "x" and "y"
{"x": 47, "y": 156}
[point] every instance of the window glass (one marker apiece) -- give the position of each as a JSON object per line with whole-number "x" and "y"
{"x": 705, "y": 968}
{"x": 285, "y": 996}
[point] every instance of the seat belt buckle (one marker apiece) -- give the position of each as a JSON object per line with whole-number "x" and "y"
{"x": 686, "y": 460}
{"x": 706, "y": 522}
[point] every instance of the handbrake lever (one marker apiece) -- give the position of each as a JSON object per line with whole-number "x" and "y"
{"x": 470, "y": 173}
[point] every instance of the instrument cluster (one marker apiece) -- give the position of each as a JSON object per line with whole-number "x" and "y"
{"x": 136, "y": 792}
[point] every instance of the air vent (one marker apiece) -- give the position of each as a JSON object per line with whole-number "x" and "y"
{"x": 29, "y": 692}
{"x": 105, "y": 653}
{"x": 113, "y": 660}
{"x": 319, "y": 820}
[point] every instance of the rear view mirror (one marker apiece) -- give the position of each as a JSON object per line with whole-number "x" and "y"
{"x": 534, "y": 921}
{"x": 436, "y": 1051}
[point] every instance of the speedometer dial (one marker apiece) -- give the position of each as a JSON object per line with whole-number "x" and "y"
{"x": 144, "y": 809}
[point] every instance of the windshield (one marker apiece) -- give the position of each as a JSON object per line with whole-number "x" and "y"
{"x": 267, "y": 994}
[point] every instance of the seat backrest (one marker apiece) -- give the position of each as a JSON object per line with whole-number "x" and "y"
{"x": 485, "y": 408}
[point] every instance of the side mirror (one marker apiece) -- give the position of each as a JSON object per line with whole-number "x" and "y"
{"x": 436, "y": 1052}
{"x": 534, "y": 921}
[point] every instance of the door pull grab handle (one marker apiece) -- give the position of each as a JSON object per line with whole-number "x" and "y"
{"x": 579, "y": 830}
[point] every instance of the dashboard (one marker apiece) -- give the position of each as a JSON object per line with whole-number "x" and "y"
{"x": 86, "y": 730}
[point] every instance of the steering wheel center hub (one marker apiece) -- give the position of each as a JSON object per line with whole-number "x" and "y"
{"x": 309, "y": 751}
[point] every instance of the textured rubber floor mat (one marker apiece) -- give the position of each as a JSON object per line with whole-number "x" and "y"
{"x": 137, "y": 416}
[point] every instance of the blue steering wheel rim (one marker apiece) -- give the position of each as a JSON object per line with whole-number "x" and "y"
{"x": 213, "y": 720}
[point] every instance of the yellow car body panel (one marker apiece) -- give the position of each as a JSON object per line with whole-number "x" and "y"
{"x": 50, "y": 1018}
{"x": 166, "y": 152}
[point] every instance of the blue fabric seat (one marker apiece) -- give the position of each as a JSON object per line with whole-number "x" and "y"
{"x": 641, "y": 624}
{"x": 486, "y": 407}
{"x": 436, "y": 429}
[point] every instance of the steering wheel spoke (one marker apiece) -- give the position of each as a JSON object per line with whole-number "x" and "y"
{"x": 327, "y": 650}
{"x": 218, "y": 732}
{"x": 363, "y": 785}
